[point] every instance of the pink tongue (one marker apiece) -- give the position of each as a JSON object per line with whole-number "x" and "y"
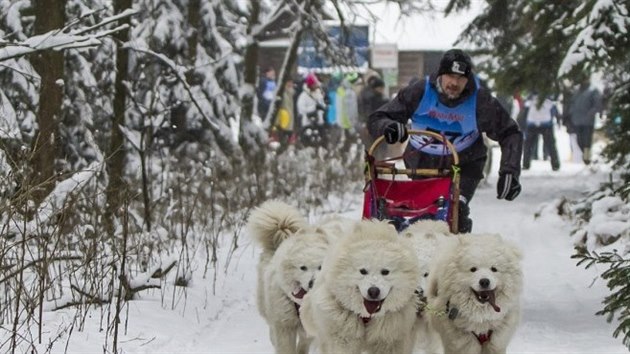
{"x": 372, "y": 306}
{"x": 299, "y": 294}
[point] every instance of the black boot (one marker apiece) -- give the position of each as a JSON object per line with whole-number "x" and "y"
{"x": 464, "y": 224}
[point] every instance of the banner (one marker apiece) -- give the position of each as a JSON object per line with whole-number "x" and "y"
{"x": 356, "y": 37}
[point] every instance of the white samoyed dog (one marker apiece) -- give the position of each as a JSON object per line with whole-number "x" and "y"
{"x": 363, "y": 300}
{"x": 426, "y": 237}
{"x": 474, "y": 292}
{"x": 292, "y": 256}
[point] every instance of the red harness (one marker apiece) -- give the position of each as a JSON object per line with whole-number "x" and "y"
{"x": 483, "y": 337}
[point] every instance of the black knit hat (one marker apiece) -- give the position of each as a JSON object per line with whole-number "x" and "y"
{"x": 455, "y": 61}
{"x": 376, "y": 82}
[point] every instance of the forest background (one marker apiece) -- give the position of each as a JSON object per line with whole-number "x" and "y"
{"x": 129, "y": 142}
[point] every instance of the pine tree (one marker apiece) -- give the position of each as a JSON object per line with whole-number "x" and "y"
{"x": 617, "y": 304}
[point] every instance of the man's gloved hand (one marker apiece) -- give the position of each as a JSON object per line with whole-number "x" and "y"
{"x": 508, "y": 187}
{"x": 395, "y": 133}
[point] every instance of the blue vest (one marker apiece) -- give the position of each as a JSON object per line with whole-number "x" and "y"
{"x": 458, "y": 124}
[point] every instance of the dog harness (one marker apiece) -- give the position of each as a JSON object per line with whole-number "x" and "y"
{"x": 482, "y": 338}
{"x": 452, "y": 312}
{"x": 458, "y": 124}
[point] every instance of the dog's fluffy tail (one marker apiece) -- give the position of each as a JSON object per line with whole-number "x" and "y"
{"x": 274, "y": 221}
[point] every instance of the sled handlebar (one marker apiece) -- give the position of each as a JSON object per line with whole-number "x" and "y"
{"x": 434, "y": 135}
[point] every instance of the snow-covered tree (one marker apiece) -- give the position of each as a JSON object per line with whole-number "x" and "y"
{"x": 534, "y": 45}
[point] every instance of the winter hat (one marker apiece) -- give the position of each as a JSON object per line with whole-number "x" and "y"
{"x": 455, "y": 61}
{"x": 311, "y": 81}
{"x": 352, "y": 77}
{"x": 376, "y": 82}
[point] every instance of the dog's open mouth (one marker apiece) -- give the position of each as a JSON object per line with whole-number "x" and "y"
{"x": 372, "y": 307}
{"x": 488, "y": 296}
{"x": 298, "y": 292}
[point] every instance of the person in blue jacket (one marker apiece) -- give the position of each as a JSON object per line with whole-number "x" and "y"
{"x": 452, "y": 102}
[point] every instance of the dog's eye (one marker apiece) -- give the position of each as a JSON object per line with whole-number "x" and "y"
{"x": 473, "y": 269}
{"x": 319, "y": 268}
{"x": 384, "y": 271}
{"x": 363, "y": 271}
{"x": 304, "y": 268}
{"x": 494, "y": 269}
{"x": 426, "y": 274}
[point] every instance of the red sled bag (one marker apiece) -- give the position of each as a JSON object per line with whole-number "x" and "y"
{"x": 404, "y": 196}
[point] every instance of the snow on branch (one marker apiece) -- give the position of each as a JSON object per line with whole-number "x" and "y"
{"x": 55, "y": 201}
{"x": 58, "y": 39}
{"x": 589, "y": 44}
{"x": 180, "y": 73}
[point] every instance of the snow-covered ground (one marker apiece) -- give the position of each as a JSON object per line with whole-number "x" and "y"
{"x": 559, "y": 300}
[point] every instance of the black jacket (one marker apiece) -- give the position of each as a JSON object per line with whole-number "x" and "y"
{"x": 492, "y": 119}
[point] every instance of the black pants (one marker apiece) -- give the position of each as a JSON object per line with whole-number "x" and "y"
{"x": 549, "y": 144}
{"x": 584, "y": 135}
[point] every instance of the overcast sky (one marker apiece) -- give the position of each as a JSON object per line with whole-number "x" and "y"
{"x": 427, "y": 32}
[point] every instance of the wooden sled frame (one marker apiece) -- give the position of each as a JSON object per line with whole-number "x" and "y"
{"x": 377, "y": 169}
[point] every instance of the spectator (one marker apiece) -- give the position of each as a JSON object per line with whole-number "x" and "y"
{"x": 539, "y": 122}
{"x": 347, "y": 109}
{"x": 452, "y": 102}
{"x": 585, "y": 104}
{"x": 310, "y": 109}
{"x": 284, "y": 126}
{"x": 371, "y": 97}
{"x": 266, "y": 91}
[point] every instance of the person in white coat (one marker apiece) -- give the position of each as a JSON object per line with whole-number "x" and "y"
{"x": 539, "y": 119}
{"x": 310, "y": 108}
{"x": 310, "y": 102}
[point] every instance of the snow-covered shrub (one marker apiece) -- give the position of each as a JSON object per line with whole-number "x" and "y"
{"x": 616, "y": 305}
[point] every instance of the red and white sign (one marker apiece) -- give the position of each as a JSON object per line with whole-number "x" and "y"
{"x": 385, "y": 56}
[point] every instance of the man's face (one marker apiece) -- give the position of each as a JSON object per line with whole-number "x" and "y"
{"x": 453, "y": 85}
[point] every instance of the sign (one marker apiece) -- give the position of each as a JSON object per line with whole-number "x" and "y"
{"x": 385, "y": 56}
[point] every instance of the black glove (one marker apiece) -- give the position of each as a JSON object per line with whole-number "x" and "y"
{"x": 464, "y": 222}
{"x": 395, "y": 133}
{"x": 508, "y": 187}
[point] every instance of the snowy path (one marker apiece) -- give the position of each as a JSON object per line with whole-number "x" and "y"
{"x": 559, "y": 299}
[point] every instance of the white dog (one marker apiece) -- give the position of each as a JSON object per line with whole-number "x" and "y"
{"x": 426, "y": 236}
{"x": 292, "y": 255}
{"x": 474, "y": 290}
{"x": 364, "y": 297}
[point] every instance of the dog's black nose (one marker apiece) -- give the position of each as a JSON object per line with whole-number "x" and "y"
{"x": 374, "y": 292}
{"x": 310, "y": 284}
{"x": 484, "y": 282}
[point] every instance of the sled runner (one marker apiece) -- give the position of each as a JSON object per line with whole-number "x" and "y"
{"x": 406, "y": 195}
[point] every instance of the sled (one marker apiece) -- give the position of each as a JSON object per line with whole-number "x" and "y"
{"x": 406, "y": 195}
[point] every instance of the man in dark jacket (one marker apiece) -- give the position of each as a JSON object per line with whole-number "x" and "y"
{"x": 585, "y": 105}
{"x": 452, "y": 102}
